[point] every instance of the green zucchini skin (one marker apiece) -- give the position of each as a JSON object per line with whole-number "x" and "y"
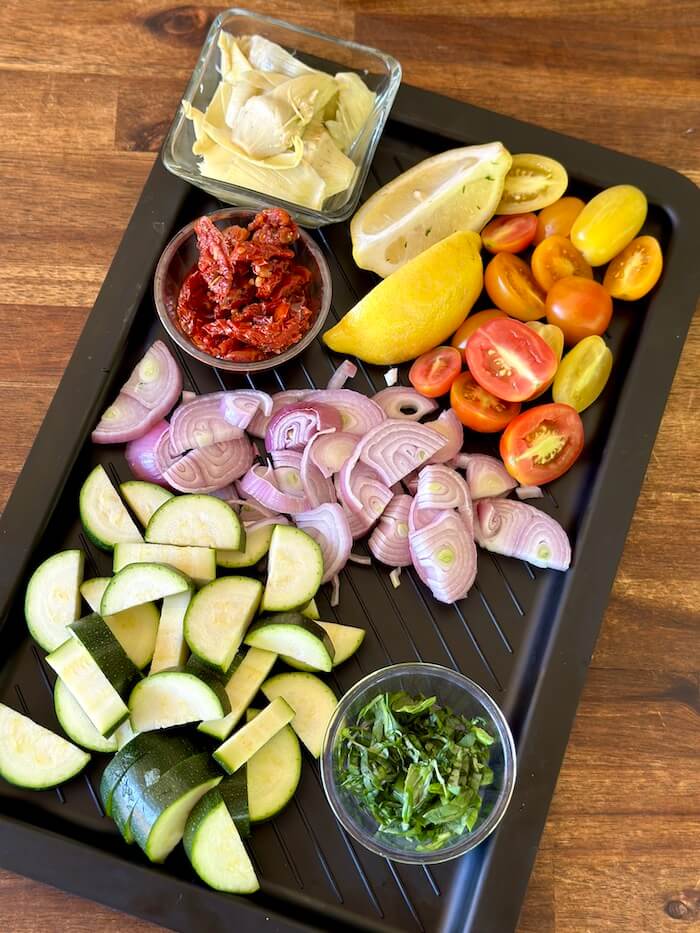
{"x": 97, "y": 637}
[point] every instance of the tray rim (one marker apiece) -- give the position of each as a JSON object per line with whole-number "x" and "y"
{"x": 53, "y": 858}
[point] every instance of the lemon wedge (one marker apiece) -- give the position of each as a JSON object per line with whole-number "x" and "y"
{"x": 457, "y": 190}
{"x": 416, "y": 308}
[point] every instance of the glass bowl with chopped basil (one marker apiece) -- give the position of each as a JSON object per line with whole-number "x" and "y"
{"x": 418, "y": 763}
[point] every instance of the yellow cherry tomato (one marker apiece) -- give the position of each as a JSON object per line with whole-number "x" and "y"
{"x": 583, "y": 373}
{"x": 558, "y": 218}
{"x": 609, "y": 221}
{"x": 636, "y": 270}
{"x": 553, "y": 336}
{"x": 533, "y": 181}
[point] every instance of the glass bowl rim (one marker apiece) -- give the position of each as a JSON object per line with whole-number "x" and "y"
{"x": 464, "y": 843}
{"x": 226, "y": 213}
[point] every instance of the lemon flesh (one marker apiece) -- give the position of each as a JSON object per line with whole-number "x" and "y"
{"x": 457, "y": 190}
{"x": 416, "y": 308}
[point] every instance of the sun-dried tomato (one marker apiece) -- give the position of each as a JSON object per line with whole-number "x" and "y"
{"x": 214, "y": 260}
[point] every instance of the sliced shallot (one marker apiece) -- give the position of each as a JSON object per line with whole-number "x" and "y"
{"x": 207, "y": 469}
{"x": 261, "y": 419}
{"x": 359, "y": 522}
{"x": 444, "y": 556}
{"x": 362, "y": 490}
{"x": 404, "y": 402}
{"x": 389, "y": 540}
{"x": 420, "y": 517}
{"x": 210, "y": 419}
{"x": 358, "y": 413}
{"x": 141, "y": 455}
{"x": 529, "y": 492}
{"x": 261, "y": 484}
{"x": 156, "y": 381}
{"x": 293, "y": 426}
{"x": 487, "y": 477}
{"x": 125, "y": 420}
{"x": 317, "y": 487}
{"x": 449, "y": 425}
{"x": 163, "y": 454}
{"x": 330, "y": 449}
{"x": 439, "y": 487}
{"x": 328, "y": 526}
{"x": 395, "y": 447}
{"x": 516, "y": 529}
{"x": 345, "y": 371}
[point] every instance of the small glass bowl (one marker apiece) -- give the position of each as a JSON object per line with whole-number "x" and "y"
{"x": 179, "y": 259}
{"x": 464, "y": 697}
{"x": 380, "y": 72}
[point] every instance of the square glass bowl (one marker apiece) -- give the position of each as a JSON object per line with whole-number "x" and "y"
{"x": 379, "y": 71}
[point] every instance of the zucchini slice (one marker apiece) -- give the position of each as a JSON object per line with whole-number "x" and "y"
{"x": 52, "y": 600}
{"x": 215, "y": 849}
{"x": 293, "y": 635}
{"x": 346, "y": 640}
{"x": 173, "y": 698}
{"x": 295, "y": 568}
{"x": 234, "y": 790}
{"x": 195, "y": 520}
{"x": 89, "y": 685}
{"x": 199, "y": 563}
{"x": 76, "y": 724}
{"x": 313, "y": 703}
{"x": 141, "y": 583}
{"x": 103, "y": 514}
{"x": 243, "y": 744}
{"x": 257, "y": 544}
{"x": 109, "y": 655}
{"x": 310, "y": 610}
{"x": 135, "y": 629}
{"x": 32, "y": 756}
{"x": 131, "y": 752}
{"x": 241, "y": 687}
{"x": 158, "y": 819}
{"x": 144, "y": 499}
{"x": 171, "y": 647}
{"x": 218, "y": 616}
{"x": 273, "y": 773}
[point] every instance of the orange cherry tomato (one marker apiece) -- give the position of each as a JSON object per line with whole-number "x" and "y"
{"x": 558, "y": 218}
{"x": 636, "y": 270}
{"x": 554, "y": 259}
{"x": 472, "y": 323}
{"x": 433, "y": 373}
{"x": 542, "y": 443}
{"x": 511, "y": 287}
{"x": 581, "y": 307}
{"x": 478, "y": 409}
{"x": 510, "y": 360}
{"x": 509, "y": 234}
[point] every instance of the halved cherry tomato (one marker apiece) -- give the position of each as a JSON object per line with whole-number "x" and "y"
{"x": 510, "y": 360}
{"x": 533, "y": 181}
{"x": 558, "y": 218}
{"x": 509, "y": 234}
{"x": 512, "y": 288}
{"x": 636, "y": 270}
{"x": 478, "y": 409}
{"x": 554, "y": 259}
{"x": 542, "y": 443}
{"x": 581, "y": 307}
{"x": 433, "y": 373}
{"x": 554, "y": 338}
{"x": 472, "y": 323}
{"x": 583, "y": 373}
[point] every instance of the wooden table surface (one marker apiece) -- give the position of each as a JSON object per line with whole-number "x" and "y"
{"x": 87, "y": 90}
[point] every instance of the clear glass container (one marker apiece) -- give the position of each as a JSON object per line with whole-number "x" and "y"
{"x": 464, "y": 697}
{"x": 380, "y": 72}
{"x": 179, "y": 258}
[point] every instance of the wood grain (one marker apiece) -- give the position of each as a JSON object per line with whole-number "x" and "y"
{"x": 86, "y": 92}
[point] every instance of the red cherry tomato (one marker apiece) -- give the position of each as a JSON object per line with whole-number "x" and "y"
{"x": 509, "y": 234}
{"x": 433, "y": 373}
{"x": 579, "y": 306}
{"x": 478, "y": 409}
{"x": 542, "y": 443}
{"x": 510, "y": 360}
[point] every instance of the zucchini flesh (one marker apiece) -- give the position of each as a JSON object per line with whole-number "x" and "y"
{"x": 76, "y": 724}
{"x": 218, "y": 616}
{"x": 234, "y": 791}
{"x": 292, "y": 634}
{"x": 141, "y": 583}
{"x": 172, "y": 698}
{"x": 144, "y": 499}
{"x": 257, "y": 544}
{"x": 196, "y": 520}
{"x": 198, "y": 563}
{"x": 313, "y": 703}
{"x": 171, "y": 648}
{"x": 273, "y": 773}
{"x": 97, "y": 637}
{"x": 295, "y": 569}
{"x": 32, "y": 756}
{"x": 241, "y": 687}
{"x": 346, "y": 640}
{"x": 215, "y": 849}
{"x": 103, "y": 514}
{"x": 310, "y": 610}
{"x": 242, "y": 745}
{"x": 135, "y": 629}
{"x": 52, "y": 600}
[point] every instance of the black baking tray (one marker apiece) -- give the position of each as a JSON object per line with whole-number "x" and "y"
{"x": 525, "y": 635}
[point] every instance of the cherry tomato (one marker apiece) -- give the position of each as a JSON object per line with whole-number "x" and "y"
{"x": 478, "y": 409}
{"x": 533, "y": 181}
{"x": 636, "y": 270}
{"x": 554, "y": 338}
{"x": 558, "y": 218}
{"x": 542, "y": 443}
{"x": 580, "y": 307}
{"x": 472, "y": 323}
{"x": 512, "y": 288}
{"x": 555, "y": 258}
{"x": 509, "y": 234}
{"x": 610, "y": 221}
{"x": 433, "y": 373}
{"x": 583, "y": 373}
{"x": 510, "y": 360}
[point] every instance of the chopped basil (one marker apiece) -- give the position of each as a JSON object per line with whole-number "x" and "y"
{"x": 416, "y": 767}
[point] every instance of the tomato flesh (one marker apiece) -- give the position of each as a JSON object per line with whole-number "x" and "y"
{"x": 636, "y": 270}
{"x": 558, "y": 218}
{"x": 511, "y": 287}
{"x": 533, "y": 181}
{"x": 581, "y": 307}
{"x": 583, "y": 373}
{"x": 509, "y": 234}
{"x": 554, "y": 259}
{"x": 542, "y": 443}
{"x": 478, "y": 409}
{"x": 510, "y": 360}
{"x": 472, "y": 323}
{"x": 433, "y": 373}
